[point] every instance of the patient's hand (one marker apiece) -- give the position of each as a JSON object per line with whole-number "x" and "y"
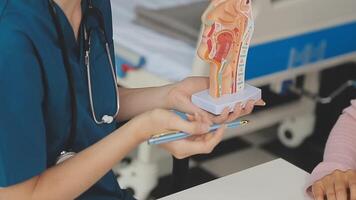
{"x": 336, "y": 186}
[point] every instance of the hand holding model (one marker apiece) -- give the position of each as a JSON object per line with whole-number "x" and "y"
{"x": 199, "y": 121}
{"x": 179, "y": 98}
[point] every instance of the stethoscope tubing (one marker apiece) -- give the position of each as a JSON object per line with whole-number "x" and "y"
{"x": 106, "y": 119}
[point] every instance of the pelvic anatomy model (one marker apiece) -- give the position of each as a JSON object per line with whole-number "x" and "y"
{"x": 228, "y": 28}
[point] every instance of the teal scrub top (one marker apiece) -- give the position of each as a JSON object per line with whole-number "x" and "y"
{"x": 35, "y": 105}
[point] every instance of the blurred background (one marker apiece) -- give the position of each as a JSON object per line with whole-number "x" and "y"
{"x": 301, "y": 51}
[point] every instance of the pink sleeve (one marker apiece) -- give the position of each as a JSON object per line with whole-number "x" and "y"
{"x": 340, "y": 150}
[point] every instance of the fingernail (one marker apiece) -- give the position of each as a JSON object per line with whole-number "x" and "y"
{"x": 263, "y": 103}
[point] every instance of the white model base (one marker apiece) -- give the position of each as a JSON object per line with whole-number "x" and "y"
{"x": 216, "y": 106}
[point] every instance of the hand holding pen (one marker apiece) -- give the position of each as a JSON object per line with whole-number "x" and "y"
{"x": 197, "y": 125}
{"x": 171, "y": 136}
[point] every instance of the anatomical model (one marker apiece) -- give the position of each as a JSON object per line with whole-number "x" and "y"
{"x": 228, "y": 28}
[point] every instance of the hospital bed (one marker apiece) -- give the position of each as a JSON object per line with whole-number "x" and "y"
{"x": 292, "y": 38}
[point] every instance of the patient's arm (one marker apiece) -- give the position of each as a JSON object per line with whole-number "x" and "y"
{"x": 340, "y": 152}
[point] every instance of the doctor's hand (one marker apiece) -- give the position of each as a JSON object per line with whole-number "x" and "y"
{"x": 340, "y": 185}
{"x": 196, "y": 144}
{"x": 160, "y": 121}
{"x": 179, "y": 98}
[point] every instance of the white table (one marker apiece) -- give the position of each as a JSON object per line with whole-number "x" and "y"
{"x": 275, "y": 180}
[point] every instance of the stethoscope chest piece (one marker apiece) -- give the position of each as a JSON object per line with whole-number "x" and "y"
{"x": 64, "y": 156}
{"x": 107, "y": 119}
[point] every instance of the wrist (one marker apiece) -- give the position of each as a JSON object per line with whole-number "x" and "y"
{"x": 133, "y": 129}
{"x": 139, "y": 127}
{"x": 170, "y": 96}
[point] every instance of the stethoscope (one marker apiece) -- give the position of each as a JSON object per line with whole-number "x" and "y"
{"x": 92, "y": 11}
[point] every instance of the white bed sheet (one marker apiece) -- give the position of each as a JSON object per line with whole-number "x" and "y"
{"x": 167, "y": 57}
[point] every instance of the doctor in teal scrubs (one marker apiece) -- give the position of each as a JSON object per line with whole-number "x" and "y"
{"x": 46, "y": 107}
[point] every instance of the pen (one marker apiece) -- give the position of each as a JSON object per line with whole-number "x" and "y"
{"x": 174, "y": 135}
